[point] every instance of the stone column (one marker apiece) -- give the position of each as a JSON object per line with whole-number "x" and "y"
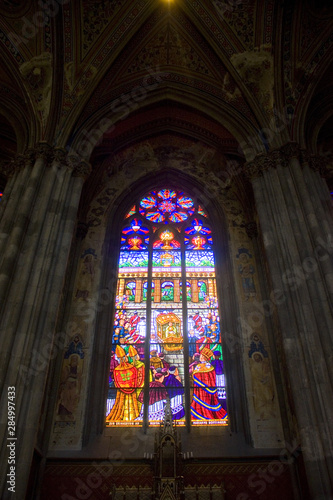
{"x": 31, "y": 282}
{"x": 297, "y": 230}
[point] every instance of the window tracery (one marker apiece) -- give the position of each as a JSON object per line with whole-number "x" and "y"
{"x": 166, "y": 338}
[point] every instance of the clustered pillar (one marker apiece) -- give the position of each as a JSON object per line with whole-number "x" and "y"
{"x": 38, "y": 217}
{"x": 295, "y": 216}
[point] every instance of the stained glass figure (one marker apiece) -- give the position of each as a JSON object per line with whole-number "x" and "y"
{"x": 153, "y": 275}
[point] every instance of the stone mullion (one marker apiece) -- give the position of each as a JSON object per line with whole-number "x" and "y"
{"x": 318, "y": 293}
{"x": 42, "y": 264}
{"x": 318, "y": 209}
{"x": 16, "y": 182}
{"x": 22, "y": 287}
{"x": 306, "y": 338}
{"x": 309, "y": 294}
{"x": 282, "y": 254}
{"x": 14, "y": 341}
{"x": 48, "y": 254}
{"x": 58, "y": 248}
{"x": 21, "y": 217}
{"x": 21, "y": 337}
{"x": 320, "y": 223}
{"x": 306, "y": 181}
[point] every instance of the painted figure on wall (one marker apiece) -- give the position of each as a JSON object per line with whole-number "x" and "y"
{"x": 246, "y": 271}
{"x": 86, "y": 274}
{"x": 70, "y": 382}
{"x": 263, "y": 391}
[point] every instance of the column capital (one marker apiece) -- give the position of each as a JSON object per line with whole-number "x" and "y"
{"x": 261, "y": 163}
{"x": 43, "y": 150}
{"x": 291, "y": 150}
{"x": 8, "y": 168}
{"x": 274, "y": 158}
{"x": 82, "y": 169}
{"x": 59, "y": 155}
{"x": 322, "y": 165}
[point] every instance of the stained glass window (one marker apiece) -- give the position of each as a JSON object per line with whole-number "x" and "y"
{"x": 166, "y": 337}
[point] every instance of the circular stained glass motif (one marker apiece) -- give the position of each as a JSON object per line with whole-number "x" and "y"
{"x": 167, "y": 194}
{"x": 148, "y": 202}
{"x": 155, "y": 216}
{"x": 185, "y": 202}
{"x": 166, "y": 205}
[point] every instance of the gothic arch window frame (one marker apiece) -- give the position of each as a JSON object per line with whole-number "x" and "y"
{"x": 235, "y": 385}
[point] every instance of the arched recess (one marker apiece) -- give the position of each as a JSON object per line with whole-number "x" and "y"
{"x": 156, "y": 162}
{"x": 314, "y": 105}
{"x": 97, "y": 391}
{"x": 15, "y": 116}
{"x": 105, "y": 121}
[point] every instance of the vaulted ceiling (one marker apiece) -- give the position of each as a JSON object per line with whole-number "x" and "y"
{"x": 226, "y": 73}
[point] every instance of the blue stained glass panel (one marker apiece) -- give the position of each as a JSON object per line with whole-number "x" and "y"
{"x": 197, "y": 227}
{"x": 164, "y": 259}
{"x": 199, "y": 260}
{"x": 133, "y": 260}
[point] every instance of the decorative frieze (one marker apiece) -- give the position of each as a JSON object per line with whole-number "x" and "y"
{"x": 50, "y": 156}
{"x": 283, "y": 156}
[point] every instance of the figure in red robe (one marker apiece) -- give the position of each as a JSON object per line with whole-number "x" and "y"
{"x": 205, "y": 404}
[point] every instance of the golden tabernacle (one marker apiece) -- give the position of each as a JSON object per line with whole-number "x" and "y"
{"x": 169, "y": 331}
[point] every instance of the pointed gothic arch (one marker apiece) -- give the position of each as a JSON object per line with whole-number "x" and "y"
{"x": 97, "y": 392}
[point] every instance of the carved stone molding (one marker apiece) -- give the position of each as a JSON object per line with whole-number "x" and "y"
{"x": 258, "y": 166}
{"x": 273, "y": 159}
{"x": 322, "y": 165}
{"x": 8, "y": 168}
{"x": 82, "y": 169}
{"x": 251, "y": 229}
{"x": 290, "y": 150}
{"x": 37, "y": 75}
{"x": 59, "y": 155}
{"x": 44, "y": 151}
{"x": 82, "y": 230}
{"x": 49, "y": 155}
